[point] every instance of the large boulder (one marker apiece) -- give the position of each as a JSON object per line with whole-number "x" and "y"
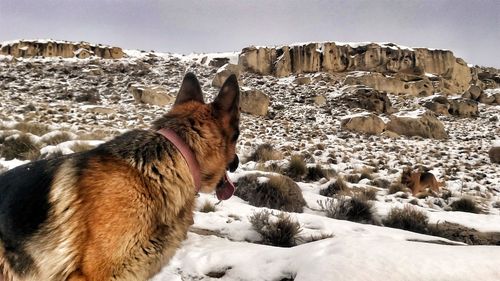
{"x": 154, "y": 95}
{"x": 417, "y": 123}
{"x": 438, "y": 104}
{"x": 463, "y": 107}
{"x": 224, "y": 72}
{"x": 494, "y": 153}
{"x": 369, "y": 99}
{"x": 368, "y": 123}
{"x": 254, "y": 102}
{"x": 258, "y": 60}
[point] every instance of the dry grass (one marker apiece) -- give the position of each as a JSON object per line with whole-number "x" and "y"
{"x": 279, "y": 192}
{"x": 397, "y": 187}
{"x": 58, "y": 138}
{"x": 336, "y": 187}
{"x": 356, "y": 208}
{"x": 465, "y": 204}
{"x": 317, "y": 172}
{"x": 407, "y": 218}
{"x": 297, "y": 168}
{"x": 33, "y": 128}
{"x": 265, "y": 152}
{"x": 21, "y": 147}
{"x": 207, "y": 207}
{"x": 277, "y": 230}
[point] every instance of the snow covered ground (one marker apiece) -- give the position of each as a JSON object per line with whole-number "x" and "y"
{"x": 222, "y": 244}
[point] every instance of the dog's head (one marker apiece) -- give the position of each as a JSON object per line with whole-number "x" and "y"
{"x": 406, "y": 176}
{"x": 212, "y": 130}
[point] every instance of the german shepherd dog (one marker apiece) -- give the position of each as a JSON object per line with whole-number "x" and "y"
{"x": 419, "y": 181}
{"x": 119, "y": 211}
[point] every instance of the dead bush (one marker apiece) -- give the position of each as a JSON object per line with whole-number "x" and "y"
{"x": 339, "y": 185}
{"x": 316, "y": 173}
{"x": 465, "y": 204}
{"x": 278, "y": 192}
{"x": 58, "y": 138}
{"x": 277, "y": 230}
{"x": 265, "y": 152}
{"x": 297, "y": 168}
{"x": 20, "y": 147}
{"x": 382, "y": 183}
{"x": 81, "y": 147}
{"x": 356, "y": 208}
{"x": 207, "y": 207}
{"x": 407, "y": 218}
{"x": 397, "y": 187}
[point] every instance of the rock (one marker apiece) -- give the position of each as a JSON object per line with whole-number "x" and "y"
{"x": 154, "y": 95}
{"x": 474, "y": 92}
{"x": 65, "y": 49}
{"x": 438, "y": 104}
{"x": 224, "y": 72}
{"x": 367, "y": 98}
{"x": 494, "y": 154}
{"x": 364, "y": 123}
{"x": 486, "y": 98}
{"x": 304, "y": 80}
{"x": 100, "y": 109}
{"x": 254, "y": 102}
{"x": 258, "y": 60}
{"x": 218, "y": 62}
{"x": 453, "y": 74}
{"x": 420, "y": 87}
{"x": 417, "y": 123}
{"x": 319, "y": 100}
{"x": 463, "y": 107}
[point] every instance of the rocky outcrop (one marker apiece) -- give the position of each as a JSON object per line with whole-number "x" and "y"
{"x": 369, "y": 99}
{"x": 65, "y": 49}
{"x": 154, "y": 95}
{"x": 417, "y": 123}
{"x": 224, "y": 72}
{"x": 460, "y": 107}
{"x": 420, "y": 86}
{"x": 254, "y": 102}
{"x": 453, "y": 74}
{"x": 368, "y": 123}
{"x": 494, "y": 153}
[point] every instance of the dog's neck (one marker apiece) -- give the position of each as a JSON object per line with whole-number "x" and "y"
{"x": 186, "y": 152}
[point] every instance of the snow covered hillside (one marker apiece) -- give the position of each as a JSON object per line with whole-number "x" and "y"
{"x": 335, "y": 184}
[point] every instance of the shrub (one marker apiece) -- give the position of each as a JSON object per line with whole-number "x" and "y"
{"x": 397, "y": 187}
{"x": 57, "y": 138}
{"x": 316, "y": 173}
{"x": 366, "y": 173}
{"x": 297, "y": 167}
{"x": 382, "y": 183}
{"x": 265, "y": 152}
{"x": 280, "y": 231}
{"x": 21, "y": 147}
{"x": 353, "y": 178}
{"x": 465, "y": 204}
{"x": 335, "y": 187}
{"x": 279, "y": 192}
{"x": 407, "y": 218}
{"x": 356, "y": 208}
{"x": 207, "y": 207}
{"x": 369, "y": 193}
{"x": 33, "y": 128}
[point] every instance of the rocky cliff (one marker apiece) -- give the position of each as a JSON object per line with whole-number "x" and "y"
{"x": 432, "y": 70}
{"x": 52, "y": 48}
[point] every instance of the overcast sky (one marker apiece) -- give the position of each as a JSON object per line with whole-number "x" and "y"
{"x": 469, "y": 28}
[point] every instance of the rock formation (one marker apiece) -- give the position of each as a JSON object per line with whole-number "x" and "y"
{"x": 365, "y": 123}
{"x": 254, "y": 102}
{"x": 386, "y": 60}
{"x": 154, "y": 95}
{"x": 65, "y": 49}
{"x": 417, "y": 123}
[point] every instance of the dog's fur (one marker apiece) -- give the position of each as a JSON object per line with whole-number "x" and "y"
{"x": 119, "y": 211}
{"x": 419, "y": 181}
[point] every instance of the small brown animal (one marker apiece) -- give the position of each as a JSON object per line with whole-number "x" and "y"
{"x": 119, "y": 211}
{"x": 418, "y": 181}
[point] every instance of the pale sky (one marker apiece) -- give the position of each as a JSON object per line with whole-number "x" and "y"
{"x": 471, "y": 29}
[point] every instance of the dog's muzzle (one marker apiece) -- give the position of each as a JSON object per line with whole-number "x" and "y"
{"x": 225, "y": 188}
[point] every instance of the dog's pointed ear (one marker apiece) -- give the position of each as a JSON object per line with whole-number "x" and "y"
{"x": 228, "y": 99}
{"x": 190, "y": 90}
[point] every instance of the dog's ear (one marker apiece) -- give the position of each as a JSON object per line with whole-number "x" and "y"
{"x": 190, "y": 90}
{"x": 228, "y": 99}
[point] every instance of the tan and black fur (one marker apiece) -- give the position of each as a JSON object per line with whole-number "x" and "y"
{"x": 119, "y": 211}
{"x": 419, "y": 181}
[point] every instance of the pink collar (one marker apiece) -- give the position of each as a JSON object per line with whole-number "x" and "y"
{"x": 186, "y": 152}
